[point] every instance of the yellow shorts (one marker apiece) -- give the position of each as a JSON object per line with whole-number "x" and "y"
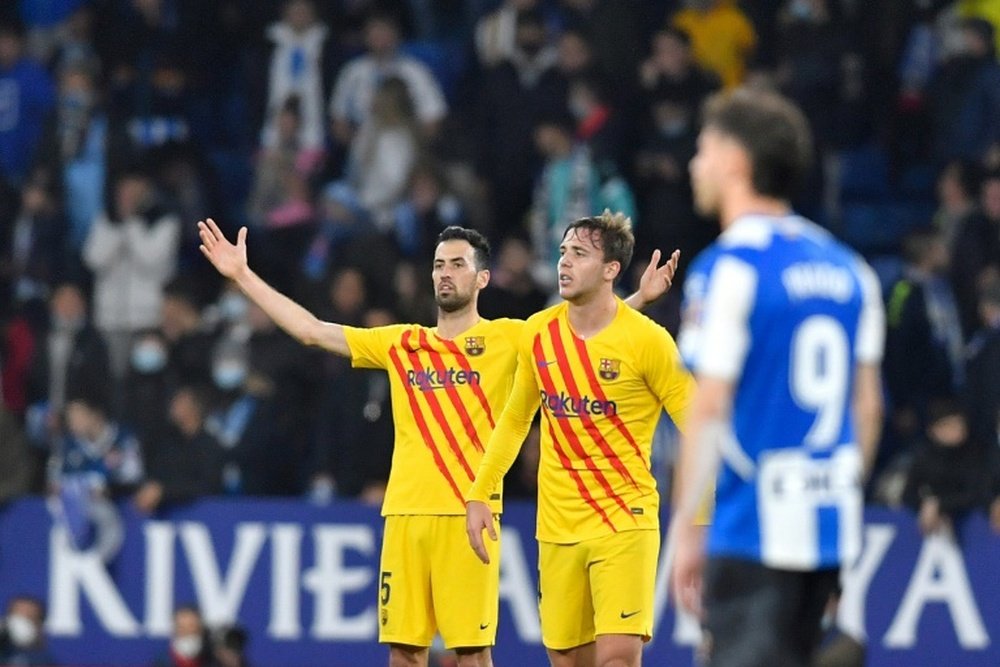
{"x": 596, "y": 587}
{"x": 431, "y": 581}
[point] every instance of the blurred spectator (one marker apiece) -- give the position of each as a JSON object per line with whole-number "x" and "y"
{"x": 143, "y": 399}
{"x": 189, "y": 641}
{"x": 133, "y": 253}
{"x": 33, "y": 252}
{"x": 428, "y": 208}
{"x": 15, "y": 460}
{"x": 956, "y": 195}
{"x": 280, "y": 196}
{"x": 299, "y": 66}
{"x": 79, "y": 148}
{"x": 512, "y": 290}
{"x": 965, "y": 97}
{"x": 185, "y": 464}
{"x": 22, "y": 640}
{"x": 570, "y": 187}
{"x": 574, "y": 56}
{"x": 948, "y": 477}
{"x": 922, "y": 324}
{"x": 722, "y": 37}
{"x": 94, "y": 462}
{"x": 244, "y": 422}
{"x": 495, "y": 32}
{"x": 671, "y": 70}
{"x": 982, "y": 389}
{"x": 512, "y": 96}
{"x": 27, "y": 96}
{"x": 229, "y": 646}
{"x": 189, "y": 342}
{"x": 70, "y": 358}
{"x": 414, "y": 299}
{"x": 977, "y": 248}
{"x": 74, "y": 41}
{"x": 343, "y": 221}
{"x": 661, "y": 171}
{"x": 611, "y": 29}
{"x": 356, "y": 84}
{"x": 599, "y": 126}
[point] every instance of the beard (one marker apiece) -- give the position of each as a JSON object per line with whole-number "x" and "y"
{"x": 453, "y": 301}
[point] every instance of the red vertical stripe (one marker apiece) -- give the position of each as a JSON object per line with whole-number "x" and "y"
{"x": 595, "y": 386}
{"x": 588, "y": 423}
{"x": 574, "y": 442}
{"x": 456, "y": 400}
{"x": 568, "y": 466}
{"x": 418, "y": 417}
{"x": 432, "y": 403}
{"x": 477, "y": 389}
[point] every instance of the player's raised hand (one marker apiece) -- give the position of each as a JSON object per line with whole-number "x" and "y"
{"x": 228, "y": 259}
{"x": 656, "y": 280}
{"x": 479, "y": 517}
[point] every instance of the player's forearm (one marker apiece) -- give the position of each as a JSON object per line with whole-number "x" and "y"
{"x": 290, "y": 316}
{"x": 868, "y": 413}
{"x": 698, "y": 458}
{"x": 635, "y": 301}
{"x": 501, "y": 452}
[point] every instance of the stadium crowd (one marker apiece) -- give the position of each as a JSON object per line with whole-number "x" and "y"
{"x": 347, "y": 134}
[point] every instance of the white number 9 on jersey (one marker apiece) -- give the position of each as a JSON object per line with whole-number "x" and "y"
{"x": 820, "y": 368}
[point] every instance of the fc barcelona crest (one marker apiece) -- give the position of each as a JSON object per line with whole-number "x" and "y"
{"x": 609, "y": 368}
{"x": 475, "y": 345}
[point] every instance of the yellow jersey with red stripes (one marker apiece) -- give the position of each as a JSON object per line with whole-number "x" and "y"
{"x": 600, "y": 398}
{"x": 446, "y": 395}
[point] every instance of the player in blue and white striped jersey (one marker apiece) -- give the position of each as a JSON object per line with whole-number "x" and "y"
{"x": 783, "y": 328}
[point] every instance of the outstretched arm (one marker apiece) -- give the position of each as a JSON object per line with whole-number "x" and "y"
{"x": 655, "y": 281}
{"x": 231, "y": 261}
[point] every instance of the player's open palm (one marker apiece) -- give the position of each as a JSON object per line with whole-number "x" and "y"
{"x": 228, "y": 259}
{"x": 656, "y": 280}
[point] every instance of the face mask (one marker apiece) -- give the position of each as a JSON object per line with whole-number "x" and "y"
{"x": 229, "y": 375}
{"x": 187, "y": 647}
{"x": 233, "y": 307}
{"x": 149, "y": 357}
{"x": 578, "y": 109}
{"x": 801, "y": 11}
{"x": 77, "y": 100}
{"x": 22, "y": 630}
{"x": 67, "y": 323}
{"x": 673, "y": 128}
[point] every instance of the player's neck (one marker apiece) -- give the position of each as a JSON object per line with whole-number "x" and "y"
{"x": 744, "y": 201}
{"x": 452, "y": 324}
{"x": 589, "y": 316}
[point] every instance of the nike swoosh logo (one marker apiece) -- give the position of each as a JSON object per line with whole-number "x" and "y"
{"x": 543, "y": 364}
{"x": 483, "y": 626}
{"x": 624, "y": 615}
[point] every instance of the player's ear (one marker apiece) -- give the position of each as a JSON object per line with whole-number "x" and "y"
{"x": 482, "y": 278}
{"x": 612, "y": 269}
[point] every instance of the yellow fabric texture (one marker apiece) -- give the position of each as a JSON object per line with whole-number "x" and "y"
{"x": 601, "y": 399}
{"x": 446, "y": 396}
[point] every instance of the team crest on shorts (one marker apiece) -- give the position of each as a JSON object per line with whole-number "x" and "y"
{"x": 475, "y": 345}
{"x": 609, "y": 368}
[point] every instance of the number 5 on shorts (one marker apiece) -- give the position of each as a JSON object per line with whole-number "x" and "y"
{"x": 386, "y": 590}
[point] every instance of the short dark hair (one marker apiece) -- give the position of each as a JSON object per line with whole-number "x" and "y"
{"x": 473, "y": 238}
{"x": 774, "y": 132}
{"x": 614, "y": 230}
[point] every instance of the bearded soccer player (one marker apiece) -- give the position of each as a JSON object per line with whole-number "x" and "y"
{"x": 447, "y": 385}
{"x": 602, "y": 374}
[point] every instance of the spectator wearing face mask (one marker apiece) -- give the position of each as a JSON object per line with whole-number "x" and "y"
{"x": 147, "y": 387}
{"x": 22, "y": 637}
{"x": 189, "y": 646}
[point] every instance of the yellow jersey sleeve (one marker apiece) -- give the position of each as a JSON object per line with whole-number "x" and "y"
{"x": 370, "y": 346}
{"x": 667, "y": 376}
{"x": 511, "y": 429}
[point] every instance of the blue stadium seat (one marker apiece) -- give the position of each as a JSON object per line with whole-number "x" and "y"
{"x": 864, "y": 174}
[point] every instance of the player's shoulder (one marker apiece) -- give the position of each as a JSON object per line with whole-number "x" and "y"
{"x": 504, "y": 326}
{"x": 637, "y": 327}
{"x": 544, "y": 316}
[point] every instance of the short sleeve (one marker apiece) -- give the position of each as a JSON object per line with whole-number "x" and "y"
{"x": 715, "y": 339}
{"x": 871, "y": 325}
{"x": 370, "y": 347}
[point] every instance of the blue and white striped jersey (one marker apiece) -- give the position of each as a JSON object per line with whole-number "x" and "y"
{"x": 784, "y": 311}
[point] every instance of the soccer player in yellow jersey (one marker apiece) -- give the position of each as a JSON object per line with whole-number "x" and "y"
{"x": 447, "y": 386}
{"x": 601, "y": 373}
